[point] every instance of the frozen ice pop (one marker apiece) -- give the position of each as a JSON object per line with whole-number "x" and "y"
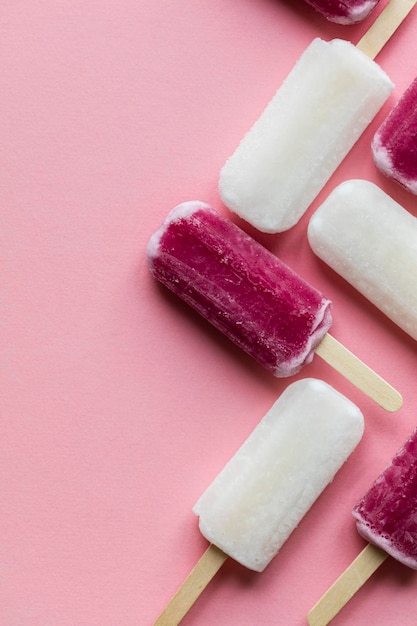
{"x": 321, "y": 109}
{"x": 394, "y": 145}
{"x": 371, "y": 241}
{"x": 386, "y": 516}
{"x": 344, "y": 11}
{"x": 312, "y": 122}
{"x": 264, "y": 491}
{"x": 251, "y": 296}
{"x": 240, "y": 287}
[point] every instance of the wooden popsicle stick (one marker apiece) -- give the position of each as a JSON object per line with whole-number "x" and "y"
{"x": 195, "y": 583}
{"x": 359, "y": 374}
{"x": 384, "y": 26}
{"x": 345, "y": 587}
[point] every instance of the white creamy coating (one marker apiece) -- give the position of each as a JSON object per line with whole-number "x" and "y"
{"x": 370, "y": 240}
{"x": 183, "y": 210}
{"x": 263, "y": 492}
{"x": 314, "y": 119}
{"x": 384, "y": 163}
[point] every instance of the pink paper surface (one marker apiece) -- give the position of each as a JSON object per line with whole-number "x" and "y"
{"x": 118, "y": 404}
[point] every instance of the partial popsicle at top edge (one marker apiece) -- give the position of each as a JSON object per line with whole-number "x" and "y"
{"x": 323, "y": 106}
{"x": 394, "y": 146}
{"x": 260, "y": 496}
{"x": 386, "y": 517}
{"x": 371, "y": 241}
{"x": 344, "y": 11}
{"x": 251, "y": 296}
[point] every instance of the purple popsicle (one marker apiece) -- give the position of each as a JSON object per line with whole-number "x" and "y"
{"x": 394, "y": 145}
{"x": 344, "y": 11}
{"x": 240, "y": 287}
{"x": 387, "y": 514}
{"x": 387, "y": 518}
{"x": 252, "y": 297}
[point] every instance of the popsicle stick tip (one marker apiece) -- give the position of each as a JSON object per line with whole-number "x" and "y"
{"x": 192, "y": 587}
{"x": 345, "y": 587}
{"x": 395, "y": 402}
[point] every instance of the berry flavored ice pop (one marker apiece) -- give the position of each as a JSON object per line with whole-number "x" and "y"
{"x": 344, "y": 11}
{"x": 394, "y": 145}
{"x": 321, "y": 109}
{"x": 264, "y": 491}
{"x": 370, "y": 240}
{"x": 386, "y": 517}
{"x": 252, "y": 297}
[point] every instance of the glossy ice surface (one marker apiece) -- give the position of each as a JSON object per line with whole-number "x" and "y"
{"x": 321, "y": 109}
{"x": 387, "y": 514}
{"x": 371, "y": 241}
{"x": 344, "y": 11}
{"x": 240, "y": 287}
{"x": 394, "y": 145}
{"x": 264, "y": 491}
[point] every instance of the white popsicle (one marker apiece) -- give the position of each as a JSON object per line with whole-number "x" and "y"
{"x": 370, "y": 240}
{"x": 271, "y": 482}
{"x": 326, "y": 102}
{"x": 261, "y": 495}
{"x": 314, "y": 119}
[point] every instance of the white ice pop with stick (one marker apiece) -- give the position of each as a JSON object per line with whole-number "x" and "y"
{"x": 255, "y": 299}
{"x": 386, "y": 516}
{"x": 264, "y": 491}
{"x": 316, "y": 116}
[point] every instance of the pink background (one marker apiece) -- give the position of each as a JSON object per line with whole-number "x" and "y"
{"x": 118, "y": 404}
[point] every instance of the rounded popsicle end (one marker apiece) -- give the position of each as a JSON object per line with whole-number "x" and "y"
{"x": 180, "y": 211}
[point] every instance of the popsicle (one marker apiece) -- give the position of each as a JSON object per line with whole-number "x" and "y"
{"x": 370, "y": 240}
{"x": 385, "y": 516}
{"x": 264, "y": 491}
{"x": 344, "y": 11}
{"x": 251, "y": 296}
{"x": 394, "y": 145}
{"x": 321, "y": 109}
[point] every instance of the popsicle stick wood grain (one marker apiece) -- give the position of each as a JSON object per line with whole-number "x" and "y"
{"x": 345, "y": 587}
{"x": 193, "y": 586}
{"x": 384, "y": 27}
{"x": 359, "y": 374}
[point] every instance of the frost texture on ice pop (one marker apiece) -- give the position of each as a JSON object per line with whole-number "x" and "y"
{"x": 370, "y": 240}
{"x": 240, "y": 287}
{"x": 344, "y": 11}
{"x": 394, "y": 145}
{"x": 387, "y": 514}
{"x": 321, "y": 109}
{"x": 264, "y": 491}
